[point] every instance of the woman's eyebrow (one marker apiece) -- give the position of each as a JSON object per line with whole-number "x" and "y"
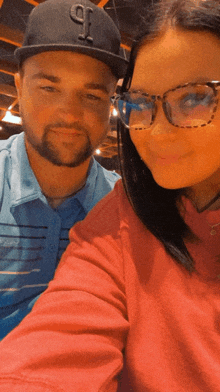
{"x": 42, "y": 75}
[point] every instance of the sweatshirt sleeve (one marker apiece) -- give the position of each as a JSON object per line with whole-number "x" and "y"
{"x": 73, "y": 338}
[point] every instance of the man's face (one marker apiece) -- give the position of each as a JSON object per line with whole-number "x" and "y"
{"x": 64, "y": 102}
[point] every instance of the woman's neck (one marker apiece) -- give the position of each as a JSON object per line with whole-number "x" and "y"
{"x": 212, "y": 204}
{"x": 206, "y": 195}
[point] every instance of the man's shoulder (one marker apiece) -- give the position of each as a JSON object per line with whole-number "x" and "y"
{"x": 7, "y": 143}
{"x": 109, "y": 176}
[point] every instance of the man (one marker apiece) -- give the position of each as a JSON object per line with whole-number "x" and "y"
{"x": 68, "y": 69}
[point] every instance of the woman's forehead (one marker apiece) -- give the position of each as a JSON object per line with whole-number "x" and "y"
{"x": 177, "y": 57}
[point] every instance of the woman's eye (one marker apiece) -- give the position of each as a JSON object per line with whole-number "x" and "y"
{"x": 140, "y": 105}
{"x": 193, "y": 100}
{"x": 136, "y": 106}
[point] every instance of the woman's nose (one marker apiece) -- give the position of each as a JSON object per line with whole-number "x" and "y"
{"x": 161, "y": 125}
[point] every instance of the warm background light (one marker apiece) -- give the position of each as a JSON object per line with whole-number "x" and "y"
{"x": 9, "y": 117}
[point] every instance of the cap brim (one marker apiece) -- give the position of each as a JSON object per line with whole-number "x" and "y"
{"x": 117, "y": 63}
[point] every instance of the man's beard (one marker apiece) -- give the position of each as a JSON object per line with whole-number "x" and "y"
{"x": 48, "y": 151}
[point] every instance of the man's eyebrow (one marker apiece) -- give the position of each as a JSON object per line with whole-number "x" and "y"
{"x": 42, "y": 75}
{"x": 97, "y": 86}
{"x": 56, "y": 79}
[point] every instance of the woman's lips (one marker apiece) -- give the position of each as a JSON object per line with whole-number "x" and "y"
{"x": 170, "y": 153}
{"x": 168, "y": 159}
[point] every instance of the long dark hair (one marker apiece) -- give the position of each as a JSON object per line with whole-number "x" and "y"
{"x": 156, "y": 206}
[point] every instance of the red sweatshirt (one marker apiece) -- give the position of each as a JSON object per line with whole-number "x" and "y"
{"x": 117, "y": 291}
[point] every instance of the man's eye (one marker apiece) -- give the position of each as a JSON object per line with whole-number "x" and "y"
{"x": 48, "y": 89}
{"x": 93, "y": 97}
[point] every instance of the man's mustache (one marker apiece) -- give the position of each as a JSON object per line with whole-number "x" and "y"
{"x": 73, "y": 126}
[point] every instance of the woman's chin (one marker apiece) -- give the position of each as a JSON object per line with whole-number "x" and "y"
{"x": 170, "y": 180}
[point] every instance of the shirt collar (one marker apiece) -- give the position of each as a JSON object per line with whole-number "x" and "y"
{"x": 85, "y": 196}
{"x": 24, "y": 185}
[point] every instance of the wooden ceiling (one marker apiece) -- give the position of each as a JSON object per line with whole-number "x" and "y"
{"x": 13, "y": 19}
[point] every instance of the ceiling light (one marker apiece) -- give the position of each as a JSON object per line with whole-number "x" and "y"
{"x": 98, "y": 151}
{"x": 9, "y": 117}
{"x": 114, "y": 112}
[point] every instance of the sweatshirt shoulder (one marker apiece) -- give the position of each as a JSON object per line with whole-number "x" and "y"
{"x": 108, "y": 215}
{"x": 112, "y": 203}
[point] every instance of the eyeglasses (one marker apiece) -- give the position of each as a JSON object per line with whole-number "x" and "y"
{"x": 191, "y": 105}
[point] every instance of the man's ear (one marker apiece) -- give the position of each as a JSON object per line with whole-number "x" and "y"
{"x": 18, "y": 84}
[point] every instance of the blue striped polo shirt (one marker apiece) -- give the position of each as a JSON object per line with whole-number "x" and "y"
{"x": 33, "y": 235}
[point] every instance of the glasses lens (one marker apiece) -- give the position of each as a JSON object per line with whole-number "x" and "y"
{"x": 136, "y": 110}
{"x": 190, "y": 106}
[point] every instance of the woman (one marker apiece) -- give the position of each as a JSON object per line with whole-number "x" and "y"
{"x": 140, "y": 279}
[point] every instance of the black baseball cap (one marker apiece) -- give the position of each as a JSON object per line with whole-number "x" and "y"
{"x": 73, "y": 25}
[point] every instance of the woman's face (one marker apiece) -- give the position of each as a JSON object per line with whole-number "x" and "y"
{"x": 178, "y": 157}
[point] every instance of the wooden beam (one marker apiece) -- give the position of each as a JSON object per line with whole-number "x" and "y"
{"x": 96, "y": 2}
{"x": 12, "y": 36}
{"x": 34, "y": 2}
{"x": 126, "y": 40}
{"x": 11, "y": 107}
{"x": 2, "y": 115}
{"x": 14, "y": 111}
{"x": 126, "y": 47}
{"x": 8, "y": 67}
{"x": 4, "y": 110}
{"x": 102, "y": 3}
{"x": 6, "y": 89}
{"x": 3, "y": 106}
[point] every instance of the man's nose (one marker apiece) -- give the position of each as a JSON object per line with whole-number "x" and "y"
{"x": 70, "y": 107}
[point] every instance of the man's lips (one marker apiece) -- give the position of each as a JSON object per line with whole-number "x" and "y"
{"x": 65, "y": 131}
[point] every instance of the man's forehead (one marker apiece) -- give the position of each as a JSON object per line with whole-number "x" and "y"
{"x": 68, "y": 61}
{"x": 69, "y": 56}
{"x": 33, "y": 70}
{"x": 57, "y": 79}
